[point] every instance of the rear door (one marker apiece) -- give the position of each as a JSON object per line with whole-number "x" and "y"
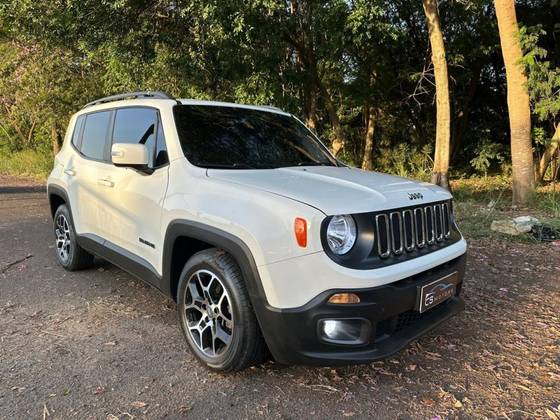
{"x": 136, "y": 197}
{"x": 84, "y": 169}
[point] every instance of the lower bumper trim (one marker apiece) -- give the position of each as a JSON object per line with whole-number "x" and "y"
{"x": 390, "y": 346}
{"x": 292, "y": 335}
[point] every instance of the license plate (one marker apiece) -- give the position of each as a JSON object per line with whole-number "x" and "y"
{"x": 432, "y": 294}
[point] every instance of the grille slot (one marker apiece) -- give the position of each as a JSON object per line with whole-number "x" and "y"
{"x": 412, "y": 228}
{"x": 397, "y": 232}
{"x": 383, "y": 237}
{"x": 409, "y": 242}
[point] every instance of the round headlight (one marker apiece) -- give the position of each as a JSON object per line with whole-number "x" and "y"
{"x": 341, "y": 234}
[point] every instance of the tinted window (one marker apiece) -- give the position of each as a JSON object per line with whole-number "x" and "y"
{"x": 216, "y": 136}
{"x": 77, "y": 131}
{"x": 95, "y": 135}
{"x": 137, "y": 125}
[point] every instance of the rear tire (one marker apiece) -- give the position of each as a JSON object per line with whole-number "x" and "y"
{"x": 215, "y": 313}
{"x": 69, "y": 254}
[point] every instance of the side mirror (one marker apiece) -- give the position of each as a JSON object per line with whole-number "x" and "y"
{"x": 132, "y": 155}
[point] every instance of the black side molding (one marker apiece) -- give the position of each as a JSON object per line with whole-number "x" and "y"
{"x": 126, "y": 260}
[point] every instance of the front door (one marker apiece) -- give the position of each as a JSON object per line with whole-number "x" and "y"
{"x": 136, "y": 197}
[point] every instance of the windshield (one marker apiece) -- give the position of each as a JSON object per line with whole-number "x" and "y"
{"x": 242, "y": 138}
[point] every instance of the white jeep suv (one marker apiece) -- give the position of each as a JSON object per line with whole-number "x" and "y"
{"x": 243, "y": 217}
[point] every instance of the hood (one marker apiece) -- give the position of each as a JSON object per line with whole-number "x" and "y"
{"x": 335, "y": 190}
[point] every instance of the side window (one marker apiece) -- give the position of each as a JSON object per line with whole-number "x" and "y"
{"x": 95, "y": 135}
{"x": 137, "y": 125}
{"x": 161, "y": 148}
{"x": 77, "y": 130}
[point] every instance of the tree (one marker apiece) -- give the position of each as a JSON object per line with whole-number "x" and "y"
{"x": 443, "y": 112}
{"x": 305, "y": 33}
{"x": 544, "y": 85}
{"x": 518, "y": 102}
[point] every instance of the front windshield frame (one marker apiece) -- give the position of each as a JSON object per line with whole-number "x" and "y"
{"x": 316, "y": 145}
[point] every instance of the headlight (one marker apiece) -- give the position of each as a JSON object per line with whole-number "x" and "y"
{"x": 341, "y": 234}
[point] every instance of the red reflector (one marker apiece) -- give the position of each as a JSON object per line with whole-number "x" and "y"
{"x": 300, "y": 229}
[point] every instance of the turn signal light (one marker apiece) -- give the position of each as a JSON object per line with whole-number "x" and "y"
{"x": 343, "y": 298}
{"x": 300, "y": 229}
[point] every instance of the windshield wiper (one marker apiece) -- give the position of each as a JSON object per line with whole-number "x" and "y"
{"x": 225, "y": 165}
{"x": 311, "y": 163}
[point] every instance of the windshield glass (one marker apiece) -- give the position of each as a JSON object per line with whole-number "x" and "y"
{"x": 241, "y": 138}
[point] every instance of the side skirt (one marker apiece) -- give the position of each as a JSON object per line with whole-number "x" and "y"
{"x": 125, "y": 260}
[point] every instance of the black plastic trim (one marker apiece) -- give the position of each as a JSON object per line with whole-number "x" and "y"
{"x": 61, "y": 192}
{"x": 215, "y": 237}
{"x": 122, "y": 258}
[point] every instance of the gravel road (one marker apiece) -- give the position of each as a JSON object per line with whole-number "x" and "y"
{"x": 101, "y": 344}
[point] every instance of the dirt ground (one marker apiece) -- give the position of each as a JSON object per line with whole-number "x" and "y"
{"x": 100, "y": 344}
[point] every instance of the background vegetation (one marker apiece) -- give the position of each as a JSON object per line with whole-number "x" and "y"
{"x": 353, "y": 70}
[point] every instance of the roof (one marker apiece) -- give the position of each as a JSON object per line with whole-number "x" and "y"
{"x": 143, "y": 97}
{"x": 266, "y": 108}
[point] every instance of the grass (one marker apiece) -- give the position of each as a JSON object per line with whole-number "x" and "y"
{"x": 27, "y": 163}
{"x": 479, "y": 201}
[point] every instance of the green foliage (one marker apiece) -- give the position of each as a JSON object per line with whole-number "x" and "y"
{"x": 357, "y": 55}
{"x": 27, "y": 163}
{"x": 407, "y": 161}
{"x": 544, "y": 77}
{"x": 486, "y": 154}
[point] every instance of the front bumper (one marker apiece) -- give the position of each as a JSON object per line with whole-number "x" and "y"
{"x": 292, "y": 334}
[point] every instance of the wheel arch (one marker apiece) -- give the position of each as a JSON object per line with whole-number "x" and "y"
{"x": 57, "y": 196}
{"x": 192, "y": 237}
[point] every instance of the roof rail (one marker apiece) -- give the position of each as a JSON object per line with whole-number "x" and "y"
{"x": 130, "y": 95}
{"x": 274, "y": 108}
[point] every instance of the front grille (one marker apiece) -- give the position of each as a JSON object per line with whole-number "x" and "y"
{"x": 406, "y": 319}
{"x": 403, "y": 231}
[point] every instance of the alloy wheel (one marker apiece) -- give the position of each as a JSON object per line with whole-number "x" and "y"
{"x": 208, "y": 313}
{"x": 63, "y": 241}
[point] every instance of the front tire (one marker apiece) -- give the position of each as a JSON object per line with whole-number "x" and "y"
{"x": 215, "y": 313}
{"x": 69, "y": 254}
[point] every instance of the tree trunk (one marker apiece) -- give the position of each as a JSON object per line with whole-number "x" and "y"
{"x": 549, "y": 155}
{"x": 55, "y": 140}
{"x": 367, "y": 161}
{"x": 443, "y": 109}
{"x": 310, "y": 93}
{"x": 339, "y": 139}
{"x": 311, "y": 119}
{"x": 518, "y": 103}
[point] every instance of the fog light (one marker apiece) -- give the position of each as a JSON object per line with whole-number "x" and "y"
{"x": 344, "y": 331}
{"x": 344, "y": 298}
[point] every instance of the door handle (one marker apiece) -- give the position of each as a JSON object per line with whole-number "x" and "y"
{"x": 70, "y": 172}
{"x": 106, "y": 182}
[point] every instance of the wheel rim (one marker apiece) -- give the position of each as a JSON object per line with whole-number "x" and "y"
{"x": 63, "y": 241}
{"x": 208, "y": 313}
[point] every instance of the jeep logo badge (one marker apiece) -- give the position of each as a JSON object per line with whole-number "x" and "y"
{"x": 415, "y": 196}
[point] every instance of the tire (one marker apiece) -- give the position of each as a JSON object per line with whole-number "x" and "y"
{"x": 212, "y": 303}
{"x": 69, "y": 254}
